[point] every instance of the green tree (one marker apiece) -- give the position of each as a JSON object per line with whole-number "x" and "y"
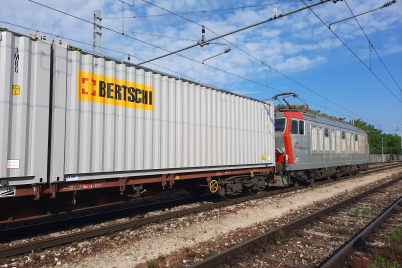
{"x": 392, "y": 142}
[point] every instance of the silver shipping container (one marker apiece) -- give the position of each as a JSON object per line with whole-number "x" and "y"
{"x": 115, "y": 119}
{"x": 25, "y": 63}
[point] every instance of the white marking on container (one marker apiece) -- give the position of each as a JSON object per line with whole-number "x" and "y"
{"x": 72, "y": 178}
{"x": 13, "y": 164}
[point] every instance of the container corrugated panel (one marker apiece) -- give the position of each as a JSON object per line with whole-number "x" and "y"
{"x": 24, "y": 107}
{"x": 124, "y": 120}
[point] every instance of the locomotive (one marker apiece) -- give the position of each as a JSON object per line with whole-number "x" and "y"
{"x": 310, "y": 146}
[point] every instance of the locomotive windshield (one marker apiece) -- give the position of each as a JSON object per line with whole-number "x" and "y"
{"x": 280, "y": 124}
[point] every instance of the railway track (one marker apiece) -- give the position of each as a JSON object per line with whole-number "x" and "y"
{"x": 309, "y": 241}
{"x": 367, "y": 241}
{"x": 55, "y": 241}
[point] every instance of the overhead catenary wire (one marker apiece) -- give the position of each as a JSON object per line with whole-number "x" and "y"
{"x": 381, "y": 7}
{"x": 389, "y": 3}
{"x": 353, "y": 53}
{"x": 127, "y": 3}
{"x": 166, "y": 49}
{"x": 204, "y": 11}
{"x": 263, "y": 62}
{"x": 164, "y": 36}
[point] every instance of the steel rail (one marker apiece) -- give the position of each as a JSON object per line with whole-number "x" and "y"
{"x": 250, "y": 244}
{"x": 338, "y": 259}
{"x": 56, "y": 241}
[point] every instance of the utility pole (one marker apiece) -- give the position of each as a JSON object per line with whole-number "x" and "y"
{"x": 97, "y": 32}
{"x": 382, "y": 150}
{"x": 207, "y": 42}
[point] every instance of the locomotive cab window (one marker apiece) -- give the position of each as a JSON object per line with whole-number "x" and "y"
{"x": 280, "y": 124}
{"x": 326, "y": 132}
{"x": 295, "y": 127}
{"x": 301, "y": 127}
{"x": 343, "y": 135}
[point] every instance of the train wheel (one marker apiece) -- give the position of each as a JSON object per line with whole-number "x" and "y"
{"x": 213, "y": 186}
{"x": 252, "y": 192}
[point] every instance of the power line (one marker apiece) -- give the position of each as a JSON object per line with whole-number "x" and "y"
{"x": 389, "y": 3}
{"x": 164, "y": 36}
{"x": 204, "y": 11}
{"x": 381, "y": 7}
{"x": 127, "y": 3}
{"x": 259, "y": 59}
{"x": 168, "y": 50}
{"x": 352, "y": 52}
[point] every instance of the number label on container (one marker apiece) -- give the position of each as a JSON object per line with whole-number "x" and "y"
{"x": 16, "y": 59}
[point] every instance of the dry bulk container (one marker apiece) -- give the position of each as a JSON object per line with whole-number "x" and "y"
{"x": 115, "y": 119}
{"x": 24, "y": 109}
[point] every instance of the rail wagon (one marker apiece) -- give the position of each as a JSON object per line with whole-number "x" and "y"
{"x": 310, "y": 146}
{"x": 83, "y": 129}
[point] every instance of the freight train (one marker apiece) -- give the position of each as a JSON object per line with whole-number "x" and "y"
{"x": 80, "y": 129}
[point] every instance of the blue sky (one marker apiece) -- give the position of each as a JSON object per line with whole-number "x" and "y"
{"x": 299, "y": 46}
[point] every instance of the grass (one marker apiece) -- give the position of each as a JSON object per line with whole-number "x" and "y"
{"x": 152, "y": 263}
{"x": 394, "y": 241}
{"x": 390, "y": 192}
{"x": 265, "y": 244}
{"x": 391, "y": 255}
{"x": 279, "y": 236}
{"x": 341, "y": 231}
{"x": 192, "y": 254}
{"x": 367, "y": 210}
{"x": 79, "y": 261}
{"x": 262, "y": 198}
{"x": 183, "y": 237}
{"x": 356, "y": 212}
{"x": 358, "y": 175}
{"x": 381, "y": 262}
{"x": 300, "y": 233}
